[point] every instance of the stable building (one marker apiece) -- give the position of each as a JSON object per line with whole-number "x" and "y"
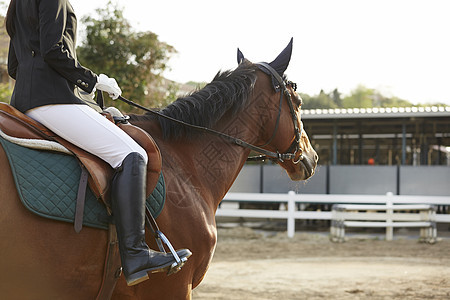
{"x": 380, "y": 136}
{"x": 403, "y": 151}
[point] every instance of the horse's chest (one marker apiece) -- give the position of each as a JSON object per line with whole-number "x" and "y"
{"x": 206, "y": 243}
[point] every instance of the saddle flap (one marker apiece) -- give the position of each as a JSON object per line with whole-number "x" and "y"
{"x": 154, "y": 164}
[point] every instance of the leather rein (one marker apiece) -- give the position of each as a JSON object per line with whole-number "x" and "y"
{"x": 292, "y": 151}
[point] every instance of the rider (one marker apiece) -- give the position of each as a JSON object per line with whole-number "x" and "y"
{"x": 42, "y": 60}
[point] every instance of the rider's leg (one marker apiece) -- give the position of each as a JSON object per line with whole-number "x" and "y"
{"x": 87, "y": 129}
{"x": 92, "y": 132}
{"x": 137, "y": 258}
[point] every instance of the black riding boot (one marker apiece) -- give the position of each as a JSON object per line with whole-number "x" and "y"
{"x": 128, "y": 204}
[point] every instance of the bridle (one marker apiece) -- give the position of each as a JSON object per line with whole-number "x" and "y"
{"x": 290, "y": 153}
{"x": 295, "y": 145}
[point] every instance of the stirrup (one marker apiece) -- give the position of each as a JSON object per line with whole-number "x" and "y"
{"x": 161, "y": 239}
{"x": 179, "y": 262}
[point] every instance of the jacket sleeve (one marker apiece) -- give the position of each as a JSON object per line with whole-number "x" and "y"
{"x": 12, "y": 61}
{"x": 54, "y": 49}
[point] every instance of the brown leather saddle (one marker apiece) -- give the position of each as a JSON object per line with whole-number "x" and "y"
{"x": 99, "y": 173}
{"x": 16, "y": 124}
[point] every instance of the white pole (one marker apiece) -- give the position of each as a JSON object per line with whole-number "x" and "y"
{"x": 291, "y": 210}
{"x": 389, "y": 212}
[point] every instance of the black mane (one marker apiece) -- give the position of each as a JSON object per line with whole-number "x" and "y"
{"x": 228, "y": 91}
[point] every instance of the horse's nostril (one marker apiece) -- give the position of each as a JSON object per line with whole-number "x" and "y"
{"x": 316, "y": 157}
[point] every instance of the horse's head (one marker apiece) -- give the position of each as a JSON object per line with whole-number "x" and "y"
{"x": 285, "y": 134}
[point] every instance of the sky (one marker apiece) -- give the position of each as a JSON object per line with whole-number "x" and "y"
{"x": 398, "y": 47}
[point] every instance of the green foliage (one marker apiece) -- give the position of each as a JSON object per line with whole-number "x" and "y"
{"x": 5, "y": 92}
{"x": 360, "y": 97}
{"x": 321, "y": 101}
{"x": 135, "y": 59}
{"x": 196, "y": 85}
{"x": 171, "y": 95}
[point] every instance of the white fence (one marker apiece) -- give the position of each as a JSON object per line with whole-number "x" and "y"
{"x": 291, "y": 199}
{"x": 387, "y": 216}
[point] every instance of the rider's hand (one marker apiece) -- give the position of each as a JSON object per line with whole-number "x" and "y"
{"x": 109, "y": 85}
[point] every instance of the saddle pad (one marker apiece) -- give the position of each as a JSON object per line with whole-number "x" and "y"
{"x": 47, "y": 184}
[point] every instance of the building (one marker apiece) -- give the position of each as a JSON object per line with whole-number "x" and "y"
{"x": 404, "y": 151}
{"x": 381, "y": 136}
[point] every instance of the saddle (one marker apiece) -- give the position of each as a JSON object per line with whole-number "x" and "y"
{"x": 16, "y": 124}
{"x": 95, "y": 171}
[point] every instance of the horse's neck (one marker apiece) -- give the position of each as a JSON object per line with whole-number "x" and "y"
{"x": 219, "y": 161}
{"x": 205, "y": 163}
{"x": 208, "y": 164}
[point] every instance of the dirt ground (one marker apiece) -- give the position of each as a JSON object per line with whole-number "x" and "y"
{"x": 252, "y": 264}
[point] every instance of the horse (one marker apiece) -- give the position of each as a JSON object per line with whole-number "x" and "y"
{"x": 241, "y": 110}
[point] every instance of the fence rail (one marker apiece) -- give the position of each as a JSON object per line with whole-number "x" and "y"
{"x": 291, "y": 199}
{"x": 389, "y": 216}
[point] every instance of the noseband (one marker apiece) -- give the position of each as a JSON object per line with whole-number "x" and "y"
{"x": 293, "y": 149}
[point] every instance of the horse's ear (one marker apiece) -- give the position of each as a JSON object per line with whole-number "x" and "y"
{"x": 281, "y": 63}
{"x": 240, "y": 56}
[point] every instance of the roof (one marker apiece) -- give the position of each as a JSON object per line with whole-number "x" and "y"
{"x": 364, "y": 113}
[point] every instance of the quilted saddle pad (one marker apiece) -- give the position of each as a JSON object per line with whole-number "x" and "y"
{"x": 47, "y": 184}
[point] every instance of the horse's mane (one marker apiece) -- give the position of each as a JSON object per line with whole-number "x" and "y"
{"x": 228, "y": 91}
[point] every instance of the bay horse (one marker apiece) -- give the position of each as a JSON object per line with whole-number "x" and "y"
{"x": 46, "y": 259}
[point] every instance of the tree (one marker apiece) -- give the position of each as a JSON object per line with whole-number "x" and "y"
{"x": 360, "y": 97}
{"x": 323, "y": 100}
{"x": 5, "y": 92}
{"x": 336, "y": 96}
{"x": 396, "y": 102}
{"x": 135, "y": 59}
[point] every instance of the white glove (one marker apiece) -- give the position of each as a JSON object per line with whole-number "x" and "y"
{"x": 109, "y": 85}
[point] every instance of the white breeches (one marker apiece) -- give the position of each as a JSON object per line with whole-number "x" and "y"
{"x": 89, "y": 130}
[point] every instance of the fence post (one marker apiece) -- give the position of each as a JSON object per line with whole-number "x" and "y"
{"x": 291, "y": 218}
{"x": 389, "y": 212}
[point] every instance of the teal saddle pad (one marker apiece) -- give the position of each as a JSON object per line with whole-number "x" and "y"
{"x": 47, "y": 184}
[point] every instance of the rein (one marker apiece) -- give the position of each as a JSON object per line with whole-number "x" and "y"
{"x": 281, "y": 157}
